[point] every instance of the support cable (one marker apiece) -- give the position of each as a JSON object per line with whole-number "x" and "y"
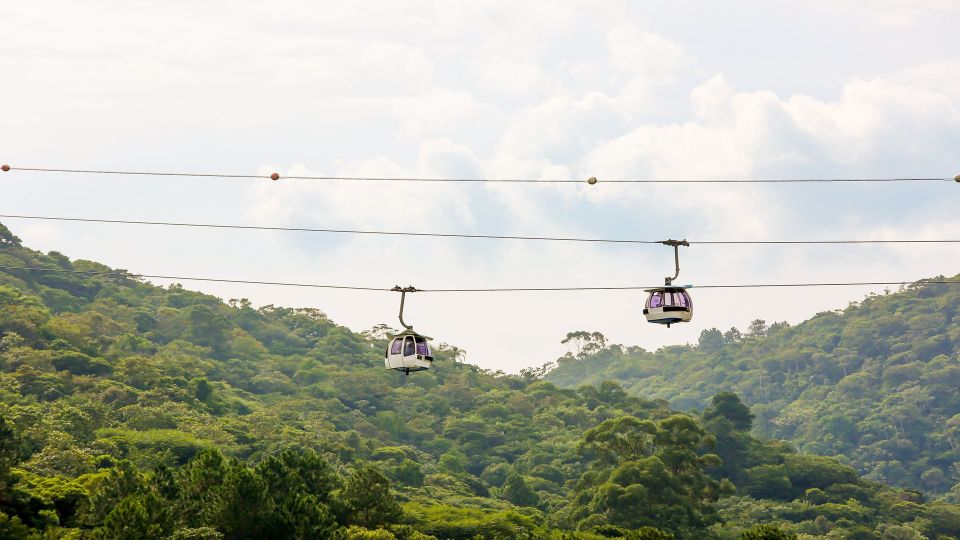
{"x": 130, "y": 275}
{"x": 476, "y": 236}
{"x": 593, "y": 180}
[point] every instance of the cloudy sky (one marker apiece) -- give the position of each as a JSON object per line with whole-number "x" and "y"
{"x": 559, "y": 89}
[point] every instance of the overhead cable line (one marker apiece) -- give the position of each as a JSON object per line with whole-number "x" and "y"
{"x": 129, "y": 275}
{"x": 592, "y": 180}
{"x": 469, "y": 236}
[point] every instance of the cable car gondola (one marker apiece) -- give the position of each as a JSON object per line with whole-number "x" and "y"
{"x": 668, "y": 305}
{"x": 671, "y": 303}
{"x": 407, "y": 351}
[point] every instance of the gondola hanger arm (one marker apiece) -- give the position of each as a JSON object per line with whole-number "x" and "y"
{"x": 403, "y": 295}
{"x": 676, "y": 258}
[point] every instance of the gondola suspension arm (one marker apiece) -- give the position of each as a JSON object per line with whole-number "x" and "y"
{"x": 403, "y": 295}
{"x": 668, "y": 281}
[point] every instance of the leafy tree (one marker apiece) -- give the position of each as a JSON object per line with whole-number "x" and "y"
{"x": 10, "y": 454}
{"x": 757, "y": 328}
{"x": 621, "y": 439}
{"x": 80, "y": 364}
{"x": 727, "y": 405}
{"x": 647, "y": 533}
{"x": 585, "y": 343}
{"x": 301, "y": 485}
{"x": 207, "y": 327}
{"x": 646, "y": 474}
{"x": 13, "y": 529}
{"x": 367, "y": 500}
{"x": 7, "y": 238}
{"x": 736, "y": 449}
{"x": 408, "y": 473}
{"x": 13, "y": 500}
{"x": 203, "y": 391}
{"x": 466, "y": 523}
{"x": 120, "y": 483}
{"x": 198, "y": 483}
{"x": 766, "y": 532}
{"x": 359, "y": 533}
{"x": 516, "y": 490}
{"x": 243, "y": 506}
{"x": 133, "y": 518}
{"x": 21, "y": 314}
{"x": 711, "y": 340}
{"x": 199, "y": 533}
{"x": 769, "y": 482}
{"x": 732, "y": 335}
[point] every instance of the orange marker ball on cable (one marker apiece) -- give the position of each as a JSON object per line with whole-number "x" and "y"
{"x": 5, "y": 167}
{"x": 274, "y": 176}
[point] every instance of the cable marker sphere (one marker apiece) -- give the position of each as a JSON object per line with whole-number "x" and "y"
{"x": 592, "y": 180}
{"x": 274, "y": 176}
{"x": 6, "y": 168}
{"x": 957, "y": 177}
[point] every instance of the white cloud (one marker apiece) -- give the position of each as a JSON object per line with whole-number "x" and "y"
{"x": 936, "y": 76}
{"x": 397, "y": 205}
{"x": 904, "y": 14}
{"x": 874, "y": 116}
{"x": 635, "y": 53}
{"x": 441, "y": 112}
{"x": 560, "y": 127}
{"x": 513, "y": 78}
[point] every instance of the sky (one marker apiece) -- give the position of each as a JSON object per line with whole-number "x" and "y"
{"x": 492, "y": 89}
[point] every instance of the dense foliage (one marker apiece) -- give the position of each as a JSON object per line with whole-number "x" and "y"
{"x": 874, "y": 384}
{"x": 134, "y": 411}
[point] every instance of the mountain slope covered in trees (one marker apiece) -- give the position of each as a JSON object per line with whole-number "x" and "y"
{"x": 874, "y": 384}
{"x": 129, "y": 410}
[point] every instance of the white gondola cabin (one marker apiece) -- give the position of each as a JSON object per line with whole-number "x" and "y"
{"x": 668, "y": 305}
{"x": 408, "y": 351}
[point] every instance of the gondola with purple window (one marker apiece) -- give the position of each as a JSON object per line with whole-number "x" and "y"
{"x": 671, "y": 303}
{"x": 407, "y": 351}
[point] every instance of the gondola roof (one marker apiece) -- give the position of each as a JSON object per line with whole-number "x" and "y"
{"x": 409, "y": 332}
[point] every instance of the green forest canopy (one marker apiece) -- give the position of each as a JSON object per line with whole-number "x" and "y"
{"x": 874, "y": 384}
{"x": 129, "y": 410}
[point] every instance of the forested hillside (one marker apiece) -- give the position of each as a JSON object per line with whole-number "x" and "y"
{"x": 875, "y": 384}
{"x": 129, "y": 410}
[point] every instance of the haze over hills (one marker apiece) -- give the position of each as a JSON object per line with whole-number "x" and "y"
{"x": 874, "y": 384}
{"x": 129, "y": 410}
